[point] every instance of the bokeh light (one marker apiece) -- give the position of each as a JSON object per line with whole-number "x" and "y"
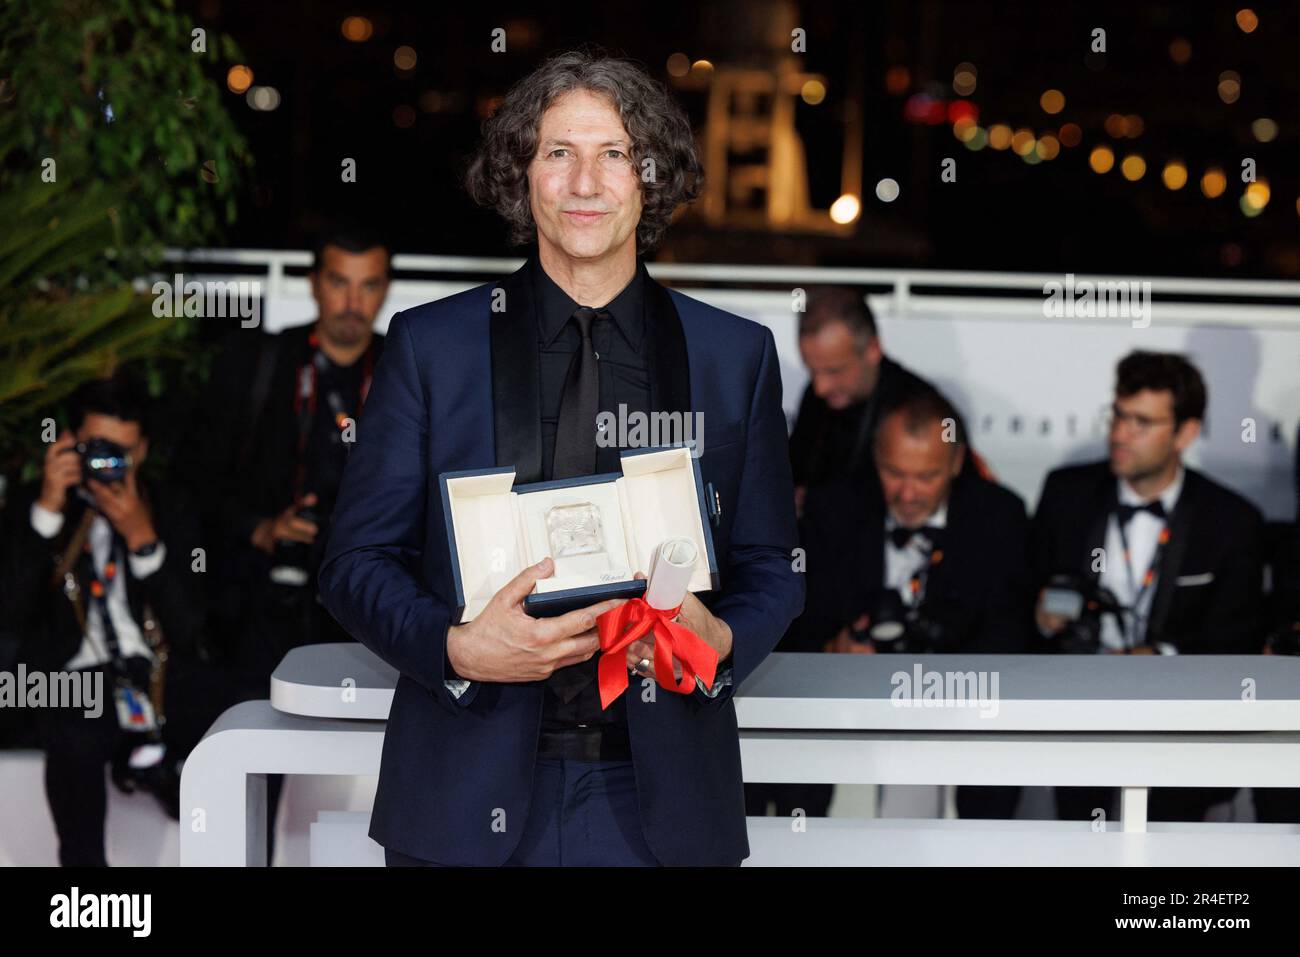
{"x": 357, "y": 29}
{"x": 1133, "y": 168}
{"x": 846, "y": 209}
{"x": 813, "y": 92}
{"x": 1264, "y": 129}
{"x": 239, "y": 78}
{"x": 1213, "y": 183}
{"x": 404, "y": 58}
{"x": 964, "y": 79}
{"x": 1229, "y": 86}
{"x": 1174, "y": 175}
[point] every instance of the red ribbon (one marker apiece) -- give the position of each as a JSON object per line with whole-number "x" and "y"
{"x": 633, "y": 620}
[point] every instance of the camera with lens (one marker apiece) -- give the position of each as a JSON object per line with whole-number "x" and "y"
{"x": 103, "y": 461}
{"x": 896, "y": 628}
{"x": 1082, "y": 602}
{"x": 294, "y": 564}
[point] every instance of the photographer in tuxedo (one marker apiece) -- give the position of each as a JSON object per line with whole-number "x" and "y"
{"x": 1141, "y": 555}
{"x": 933, "y": 559}
{"x": 98, "y": 581}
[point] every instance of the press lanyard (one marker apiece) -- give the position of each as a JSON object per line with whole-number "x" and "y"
{"x": 921, "y": 577}
{"x": 1130, "y": 634}
{"x": 99, "y": 588}
{"x": 304, "y": 402}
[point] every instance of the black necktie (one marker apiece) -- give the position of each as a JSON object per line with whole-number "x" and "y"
{"x": 901, "y": 537}
{"x": 575, "y": 433}
{"x": 1126, "y": 512}
{"x": 575, "y": 454}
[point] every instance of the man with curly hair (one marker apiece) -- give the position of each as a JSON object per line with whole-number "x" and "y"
{"x": 498, "y": 750}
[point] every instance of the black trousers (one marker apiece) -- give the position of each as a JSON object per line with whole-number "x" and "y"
{"x": 78, "y": 749}
{"x": 1163, "y": 804}
{"x": 815, "y": 799}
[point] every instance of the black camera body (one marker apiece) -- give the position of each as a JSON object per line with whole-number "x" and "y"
{"x": 294, "y": 564}
{"x": 1082, "y": 602}
{"x": 896, "y": 628}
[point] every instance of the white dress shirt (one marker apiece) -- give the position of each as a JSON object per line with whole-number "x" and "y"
{"x": 94, "y": 648}
{"x": 1143, "y": 532}
{"x": 904, "y": 564}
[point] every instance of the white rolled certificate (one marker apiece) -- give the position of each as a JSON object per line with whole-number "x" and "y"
{"x": 670, "y": 573}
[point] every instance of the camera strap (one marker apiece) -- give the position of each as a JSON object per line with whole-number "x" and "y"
{"x": 304, "y": 401}
{"x": 1139, "y": 592}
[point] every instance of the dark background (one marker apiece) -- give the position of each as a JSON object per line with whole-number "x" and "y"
{"x": 339, "y": 100}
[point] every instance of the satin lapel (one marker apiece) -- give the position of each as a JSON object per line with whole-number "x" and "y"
{"x": 670, "y": 376}
{"x": 516, "y": 402}
{"x": 1171, "y": 562}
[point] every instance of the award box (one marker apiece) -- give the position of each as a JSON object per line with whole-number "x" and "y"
{"x": 599, "y": 529}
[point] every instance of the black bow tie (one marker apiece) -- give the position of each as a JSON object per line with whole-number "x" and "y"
{"x": 1126, "y": 512}
{"x": 901, "y": 537}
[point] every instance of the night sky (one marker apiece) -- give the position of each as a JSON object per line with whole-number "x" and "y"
{"x": 411, "y": 131}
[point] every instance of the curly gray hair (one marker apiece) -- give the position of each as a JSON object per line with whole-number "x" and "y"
{"x": 658, "y": 127}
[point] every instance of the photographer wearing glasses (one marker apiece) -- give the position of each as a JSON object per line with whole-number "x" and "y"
{"x": 1140, "y": 554}
{"x": 97, "y": 578}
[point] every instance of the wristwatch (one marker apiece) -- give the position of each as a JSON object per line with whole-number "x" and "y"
{"x": 145, "y": 550}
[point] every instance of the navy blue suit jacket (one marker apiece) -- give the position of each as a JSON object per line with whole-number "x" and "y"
{"x": 457, "y": 389}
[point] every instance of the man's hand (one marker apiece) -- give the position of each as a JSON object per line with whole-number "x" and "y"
{"x": 713, "y": 631}
{"x": 843, "y": 643}
{"x": 62, "y": 471}
{"x": 1048, "y": 623}
{"x": 504, "y": 643}
{"x": 121, "y": 504}
{"x": 286, "y": 526}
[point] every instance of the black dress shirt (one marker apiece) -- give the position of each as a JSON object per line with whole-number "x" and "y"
{"x": 622, "y": 347}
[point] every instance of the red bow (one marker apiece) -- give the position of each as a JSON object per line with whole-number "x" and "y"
{"x": 634, "y": 619}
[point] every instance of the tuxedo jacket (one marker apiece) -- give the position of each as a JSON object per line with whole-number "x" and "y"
{"x": 457, "y": 388}
{"x": 45, "y": 619}
{"x": 979, "y": 591}
{"x": 1209, "y": 584}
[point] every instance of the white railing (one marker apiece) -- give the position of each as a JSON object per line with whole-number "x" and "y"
{"x": 1032, "y": 388}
